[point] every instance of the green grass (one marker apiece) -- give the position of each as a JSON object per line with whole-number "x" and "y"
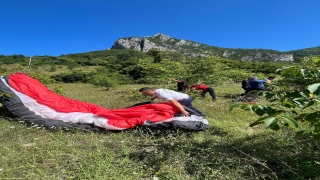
{"x": 228, "y": 149}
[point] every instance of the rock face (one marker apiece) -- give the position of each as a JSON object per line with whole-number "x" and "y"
{"x": 128, "y": 43}
{"x": 141, "y": 44}
{"x": 190, "y": 48}
{"x": 259, "y": 55}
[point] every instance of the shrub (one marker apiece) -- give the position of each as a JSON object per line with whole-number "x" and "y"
{"x": 102, "y": 80}
{"x": 44, "y": 79}
{"x": 59, "y": 90}
{"x": 74, "y": 77}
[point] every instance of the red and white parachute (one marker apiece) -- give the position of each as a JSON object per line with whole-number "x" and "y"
{"x": 33, "y": 101}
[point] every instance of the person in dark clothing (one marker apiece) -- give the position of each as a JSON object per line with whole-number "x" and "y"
{"x": 246, "y": 85}
{"x": 204, "y": 89}
{"x": 257, "y": 84}
{"x": 180, "y": 84}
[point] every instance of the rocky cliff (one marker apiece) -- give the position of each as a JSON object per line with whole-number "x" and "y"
{"x": 190, "y": 48}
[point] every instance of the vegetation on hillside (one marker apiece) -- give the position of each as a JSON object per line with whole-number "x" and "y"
{"x": 228, "y": 149}
{"x": 301, "y": 53}
{"x": 129, "y": 66}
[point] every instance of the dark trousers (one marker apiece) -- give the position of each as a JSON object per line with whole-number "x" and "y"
{"x": 246, "y": 90}
{"x": 181, "y": 89}
{"x": 211, "y": 92}
{"x": 188, "y": 103}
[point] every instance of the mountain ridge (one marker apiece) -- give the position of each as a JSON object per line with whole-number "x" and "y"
{"x": 164, "y": 42}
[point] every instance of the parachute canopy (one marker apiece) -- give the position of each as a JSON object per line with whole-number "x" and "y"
{"x": 34, "y": 102}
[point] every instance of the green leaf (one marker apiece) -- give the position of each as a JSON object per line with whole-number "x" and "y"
{"x": 270, "y": 122}
{"x": 288, "y": 104}
{"x": 259, "y": 121}
{"x": 301, "y": 117}
{"x": 261, "y": 107}
{"x": 275, "y": 127}
{"x": 316, "y": 102}
{"x": 243, "y": 106}
{"x": 290, "y": 120}
{"x": 304, "y": 95}
{"x": 294, "y": 94}
{"x": 259, "y": 112}
{"x": 252, "y": 108}
{"x": 297, "y": 101}
{"x": 279, "y": 111}
{"x": 284, "y": 123}
{"x": 234, "y": 106}
{"x": 314, "y": 88}
{"x": 312, "y": 116}
{"x": 269, "y": 95}
{"x": 270, "y": 111}
{"x": 303, "y": 72}
{"x": 294, "y": 112}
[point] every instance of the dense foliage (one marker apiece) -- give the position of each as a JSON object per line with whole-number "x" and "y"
{"x": 301, "y": 53}
{"x": 296, "y": 105}
{"x": 114, "y": 67}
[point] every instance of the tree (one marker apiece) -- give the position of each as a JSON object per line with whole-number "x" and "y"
{"x": 156, "y": 54}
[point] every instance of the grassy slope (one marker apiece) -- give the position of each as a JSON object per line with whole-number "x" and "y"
{"x": 229, "y": 149}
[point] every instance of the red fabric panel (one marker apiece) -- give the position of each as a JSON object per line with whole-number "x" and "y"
{"x": 122, "y": 118}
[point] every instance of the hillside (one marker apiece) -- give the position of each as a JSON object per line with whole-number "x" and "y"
{"x": 300, "y": 53}
{"x": 194, "y": 49}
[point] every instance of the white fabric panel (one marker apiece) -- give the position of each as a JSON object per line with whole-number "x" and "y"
{"x": 186, "y": 118}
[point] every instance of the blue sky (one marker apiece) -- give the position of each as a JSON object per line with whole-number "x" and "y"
{"x": 56, "y": 27}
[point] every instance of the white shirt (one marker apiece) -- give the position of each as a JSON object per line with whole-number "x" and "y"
{"x": 168, "y": 94}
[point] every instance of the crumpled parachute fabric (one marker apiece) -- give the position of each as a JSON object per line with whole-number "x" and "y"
{"x": 34, "y": 102}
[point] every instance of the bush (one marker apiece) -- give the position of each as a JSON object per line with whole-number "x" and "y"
{"x": 102, "y": 80}
{"x": 44, "y": 79}
{"x": 74, "y": 77}
{"x": 59, "y": 90}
